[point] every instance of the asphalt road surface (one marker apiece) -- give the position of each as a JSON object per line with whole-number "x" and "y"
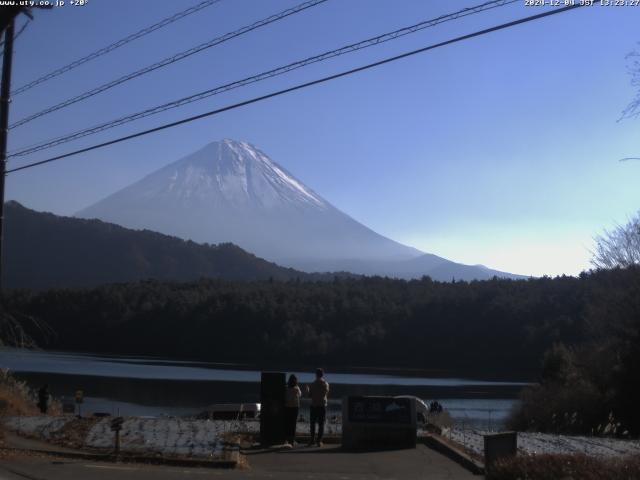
{"x": 328, "y": 463}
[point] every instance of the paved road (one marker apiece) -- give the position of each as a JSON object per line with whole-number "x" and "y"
{"x": 326, "y": 463}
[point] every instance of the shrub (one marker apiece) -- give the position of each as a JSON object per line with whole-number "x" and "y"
{"x": 571, "y": 398}
{"x": 554, "y": 408}
{"x": 15, "y": 396}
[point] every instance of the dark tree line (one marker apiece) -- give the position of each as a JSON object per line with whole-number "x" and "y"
{"x": 578, "y": 337}
{"x": 492, "y": 328}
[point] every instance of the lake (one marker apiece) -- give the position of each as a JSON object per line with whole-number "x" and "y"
{"x": 153, "y": 386}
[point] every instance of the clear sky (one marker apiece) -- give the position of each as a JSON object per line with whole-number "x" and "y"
{"x": 502, "y": 150}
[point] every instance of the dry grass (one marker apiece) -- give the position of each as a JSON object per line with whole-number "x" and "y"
{"x": 566, "y": 467}
{"x": 15, "y": 396}
{"x": 17, "y": 399}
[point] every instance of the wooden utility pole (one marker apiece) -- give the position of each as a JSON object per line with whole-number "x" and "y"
{"x": 5, "y": 99}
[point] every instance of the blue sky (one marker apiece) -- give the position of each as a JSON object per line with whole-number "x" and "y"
{"x": 502, "y": 150}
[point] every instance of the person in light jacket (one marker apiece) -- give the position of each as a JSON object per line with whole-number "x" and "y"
{"x": 318, "y": 391}
{"x": 291, "y": 408}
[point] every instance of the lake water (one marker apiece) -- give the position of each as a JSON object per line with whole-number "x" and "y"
{"x": 152, "y": 386}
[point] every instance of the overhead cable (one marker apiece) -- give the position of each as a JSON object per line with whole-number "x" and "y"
{"x": 301, "y": 86}
{"x": 169, "y": 60}
{"x": 261, "y": 76}
{"x": 115, "y": 45}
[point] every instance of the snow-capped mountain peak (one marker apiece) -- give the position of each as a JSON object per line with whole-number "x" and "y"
{"x": 230, "y": 191}
{"x": 236, "y": 173}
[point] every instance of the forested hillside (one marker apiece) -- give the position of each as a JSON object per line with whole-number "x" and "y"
{"x": 43, "y": 250}
{"x": 489, "y": 328}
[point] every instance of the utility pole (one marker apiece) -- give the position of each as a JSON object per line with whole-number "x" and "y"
{"x": 5, "y": 94}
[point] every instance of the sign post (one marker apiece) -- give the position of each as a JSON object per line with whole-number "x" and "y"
{"x": 116, "y": 426}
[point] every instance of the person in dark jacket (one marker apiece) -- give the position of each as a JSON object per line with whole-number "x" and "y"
{"x": 318, "y": 391}
{"x": 43, "y": 398}
{"x": 291, "y": 408}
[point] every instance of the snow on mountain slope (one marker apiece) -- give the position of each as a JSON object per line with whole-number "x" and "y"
{"x": 231, "y": 191}
{"x": 227, "y": 172}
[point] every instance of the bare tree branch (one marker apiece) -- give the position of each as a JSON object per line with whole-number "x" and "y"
{"x": 633, "y": 68}
{"x": 13, "y": 329}
{"x": 619, "y": 247}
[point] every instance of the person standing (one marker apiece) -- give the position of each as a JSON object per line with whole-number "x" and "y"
{"x": 318, "y": 391}
{"x": 291, "y": 408}
{"x": 43, "y": 398}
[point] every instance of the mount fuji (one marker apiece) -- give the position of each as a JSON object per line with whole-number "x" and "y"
{"x": 231, "y": 191}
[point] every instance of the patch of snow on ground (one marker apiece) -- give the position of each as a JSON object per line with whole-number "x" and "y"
{"x": 44, "y": 426}
{"x": 153, "y": 436}
{"x": 535, "y": 443}
{"x": 167, "y": 436}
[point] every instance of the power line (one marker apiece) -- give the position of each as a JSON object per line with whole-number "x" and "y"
{"x": 262, "y": 76}
{"x": 15, "y": 37}
{"x": 115, "y": 45}
{"x": 170, "y": 60}
{"x": 22, "y": 29}
{"x": 302, "y": 86}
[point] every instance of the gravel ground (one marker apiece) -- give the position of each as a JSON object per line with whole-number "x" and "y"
{"x": 253, "y": 426}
